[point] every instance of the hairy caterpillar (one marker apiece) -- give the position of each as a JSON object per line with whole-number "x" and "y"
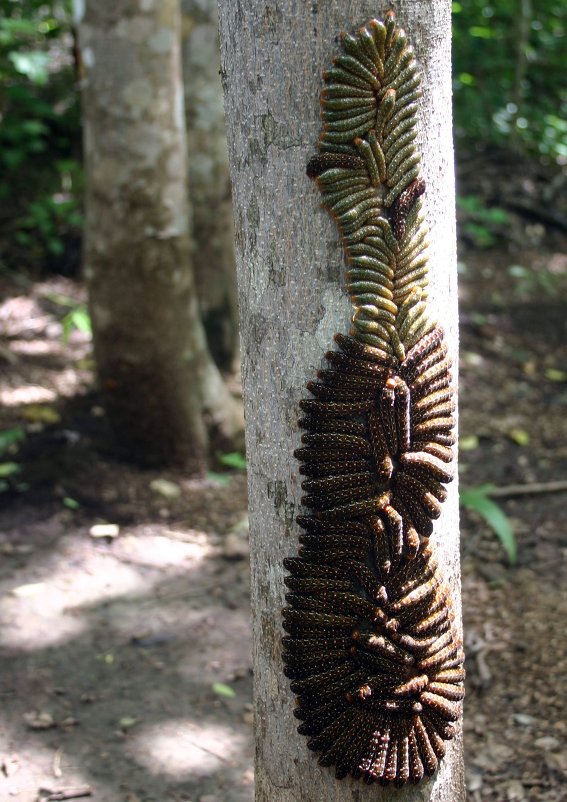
{"x": 371, "y": 647}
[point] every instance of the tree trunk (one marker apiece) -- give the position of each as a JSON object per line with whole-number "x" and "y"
{"x": 290, "y": 267}
{"x": 522, "y": 37}
{"x": 209, "y": 180}
{"x": 161, "y": 388}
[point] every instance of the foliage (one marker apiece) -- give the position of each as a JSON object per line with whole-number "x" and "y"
{"x": 531, "y": 282}
{"x": 77, "y": 318}
{"x": 40, "y": 177}
{"x": 233, "y": 460}
{"x": 221, "y": 689}
{"x": 478, "y": 499}
{"x": 509, "y": 74}
{"x": 10, "y": 437}
{"x": 9, "y": 440}
{"x": 482, "y": 224}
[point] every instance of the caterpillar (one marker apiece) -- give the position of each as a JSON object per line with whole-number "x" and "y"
{"x": 371, "y": 647}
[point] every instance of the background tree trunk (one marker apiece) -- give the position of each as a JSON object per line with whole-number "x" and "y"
{"x": 290, "y": 267}
{"x": 209, "y": 180}
{"x": 161, "y": 388}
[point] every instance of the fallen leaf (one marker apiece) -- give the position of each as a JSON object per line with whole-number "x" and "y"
{"x": 31, "y": 589}
{"x": 474, "y": 780}
{"x": 107, "y": 658}
{"x": 515, "y": 791}
{"x": 165, "y": 488}
{"x": 524, "y": 719}
{"x": 127, "y": 722}
{"x": 69, "y": 722}
{"x": 468, "y": 442}
{"x": 557, "y": 761}
{"x": 547, "y": 742}
{"x": 555, "y": 375}
{"x": 70, "y": 503}
{"x": 219, "y": 478}
{"x": 104, "y": 530}
{"x": 223, "y": 690}
{"x": 39, "y": 721}
{"x": 40, "y": 413}
{"x": 56, "y": 764}
{"x": 519, "y": 436}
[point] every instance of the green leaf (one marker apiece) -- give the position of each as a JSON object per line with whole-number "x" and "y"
{"x": 11, "y": 436}
{"x": 78, "y": 319}
{"x": 56, "y": 246}
{"x": 233, "y": 460}
{"x": 32, "y": 64}
{"x": 519, "y": 436}
{"x": 480, "y": 32}
{"x": 17, "y": 27}
{"x": 71, "y": 503}
{"x": 127, "y": 722}
{"x": 34, "y": 128}
{"x": 476, "y": 498}
{"x": 60, "y": 299}
{"x": 555, "y": 375}
{"x": 468, "y": 442}
{"x": 223, "y": 690}
{"x": 480, "y": 234}
{"x": 8, "y": 469}
{"x": 219, "y": 478}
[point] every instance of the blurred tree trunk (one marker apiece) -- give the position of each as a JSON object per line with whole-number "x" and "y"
{"x": 162, "y": 390}
{"x": 290, "y": 266}
{"x": 209, "y": 180}
{"x": 522, "y": 35}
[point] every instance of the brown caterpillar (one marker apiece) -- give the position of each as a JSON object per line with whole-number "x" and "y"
{"x": 371, "y": 649}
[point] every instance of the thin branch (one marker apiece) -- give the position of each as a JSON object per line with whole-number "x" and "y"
{"x": 533, "y": 489}
{"x": 69, "y": 793}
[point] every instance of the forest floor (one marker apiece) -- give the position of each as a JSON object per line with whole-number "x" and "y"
{"x": 125, "y": 651}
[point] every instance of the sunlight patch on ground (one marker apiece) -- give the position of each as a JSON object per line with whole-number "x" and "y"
{"x": 33, "y": 768}
{"x": 21, "y": 316}
{"x": 34, "y": 605}
{"x": 26, "y": 394}
{"x": 182, "y": 748}
{"x": 65, "y": 383}
{"x": 37, "y": 347}
{"x": 53, "y": 599}
{"x": 32, "y": 617}
{"x": 144, "y": 548}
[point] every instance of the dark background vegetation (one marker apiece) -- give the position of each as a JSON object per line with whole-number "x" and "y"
{"x": 59, "y": 479}
{"x": 510, "y": 95}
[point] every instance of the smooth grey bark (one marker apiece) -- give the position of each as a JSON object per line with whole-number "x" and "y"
{"x": 162, "y": 391}
{"x": 209, "y": 180}
{"x": 290, "y": 267}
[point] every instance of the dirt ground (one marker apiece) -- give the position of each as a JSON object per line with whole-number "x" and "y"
{"x": 125, "y": 651}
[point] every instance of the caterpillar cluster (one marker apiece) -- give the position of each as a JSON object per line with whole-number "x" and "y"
{"x": 371, "y": 646}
